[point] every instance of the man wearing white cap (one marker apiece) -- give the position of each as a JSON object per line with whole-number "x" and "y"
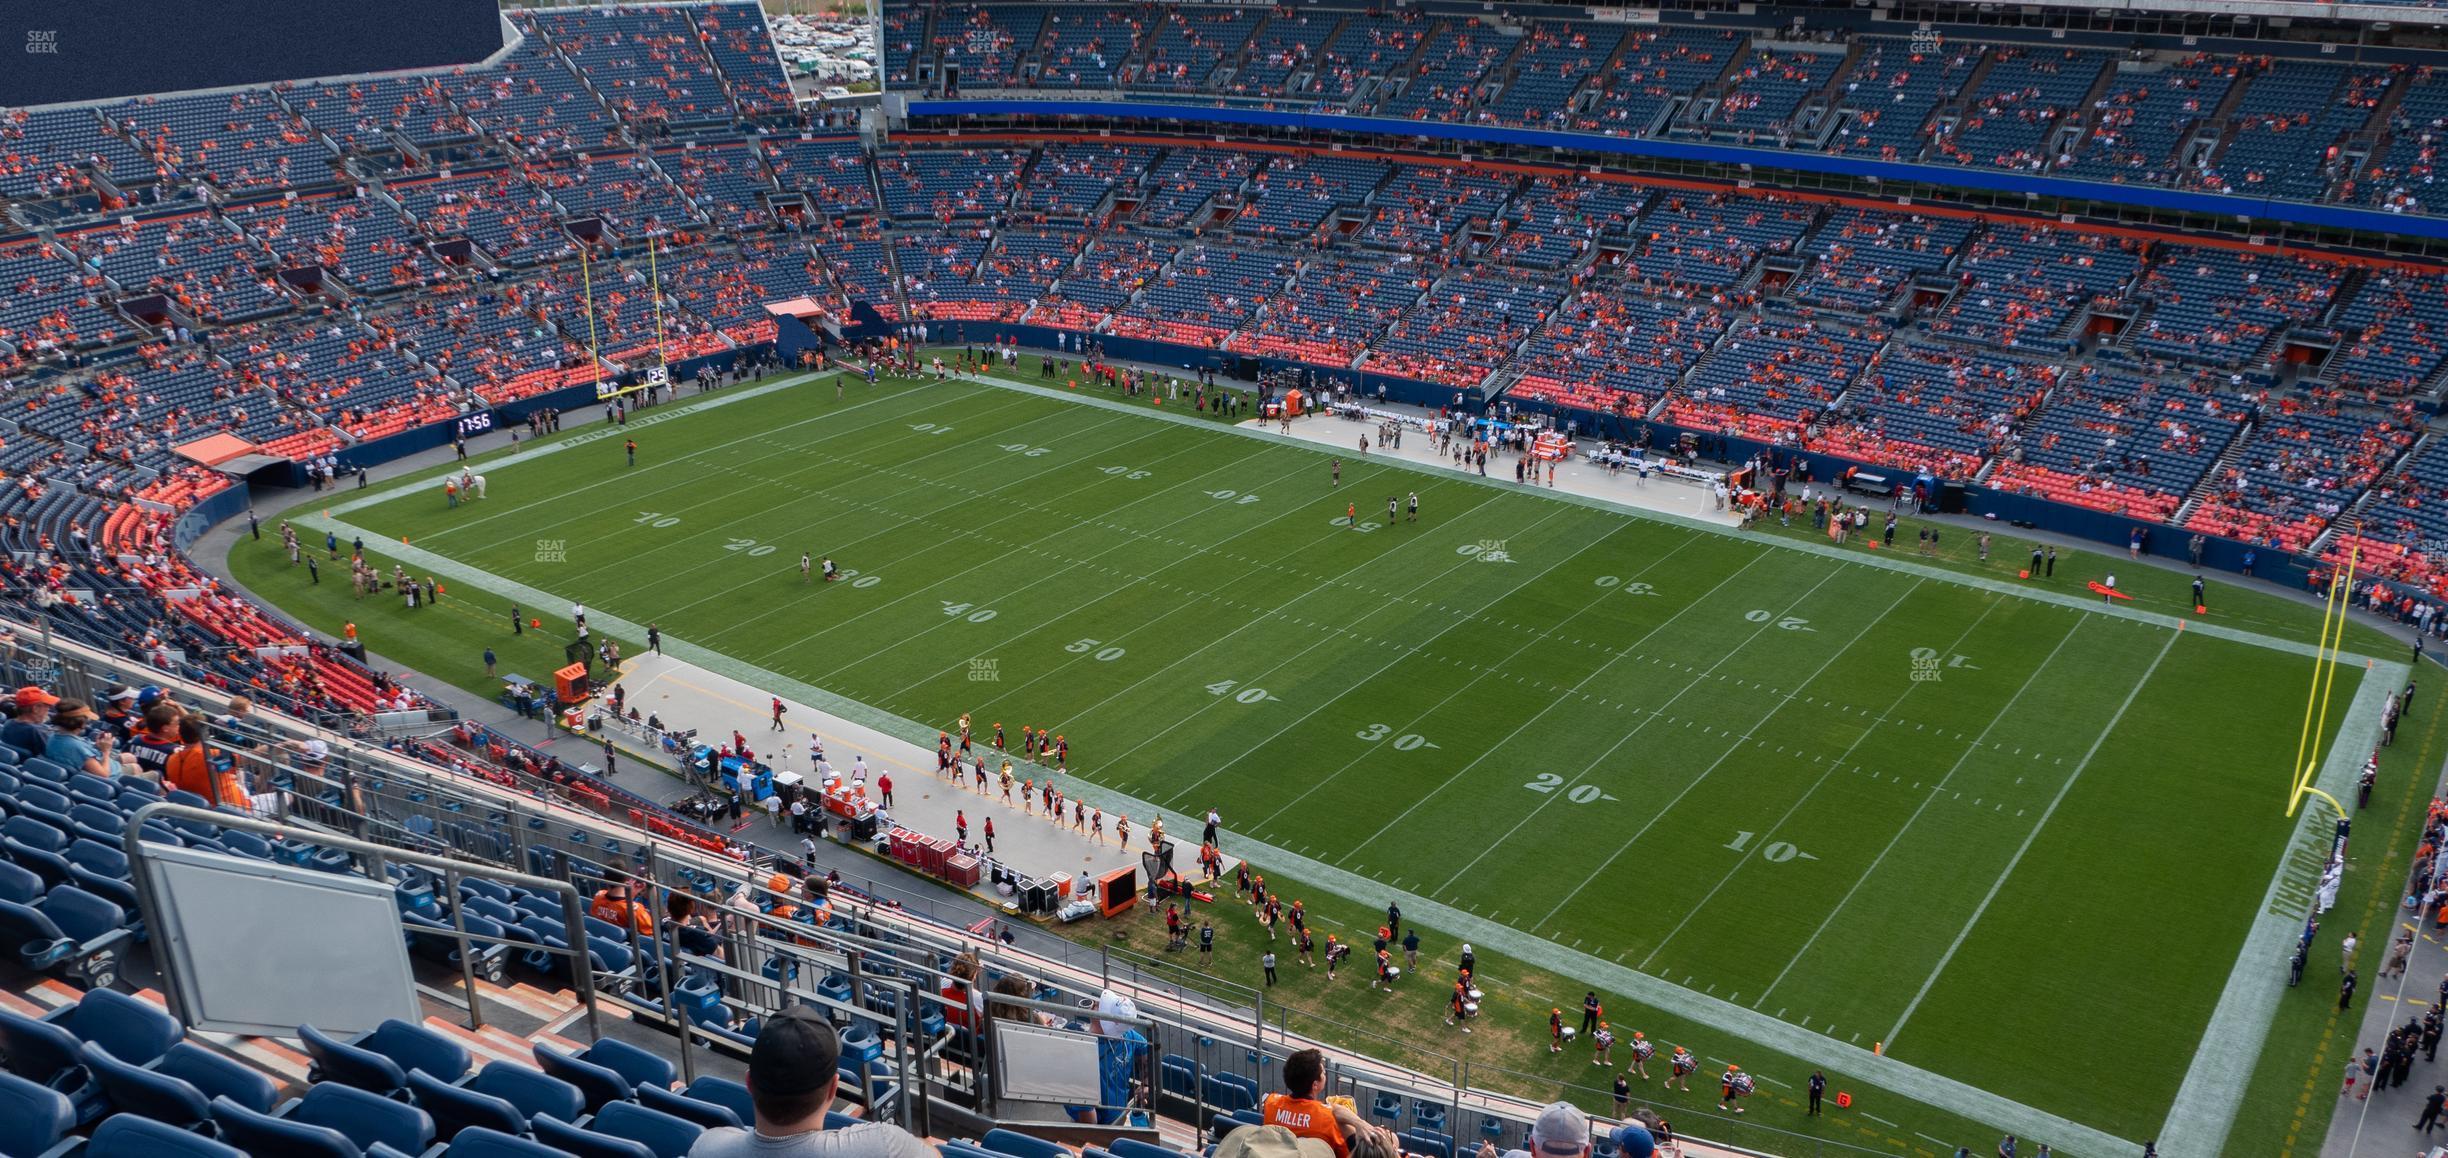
{"x": 1561, "y": 1131}
{"x": 1120, "y": 1045}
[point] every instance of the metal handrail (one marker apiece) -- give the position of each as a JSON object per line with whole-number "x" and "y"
{"x": 377, "y": 858}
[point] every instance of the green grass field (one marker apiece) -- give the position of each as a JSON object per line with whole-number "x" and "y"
{"x": 1972, "y": 827}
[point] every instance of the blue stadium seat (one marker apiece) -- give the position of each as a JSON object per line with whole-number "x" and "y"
{"x": 562, "y": 1136}
{"x": 178, "y": 1090}
{"x": 599, "y": 1085}
{"x": 27, "y": 829}
{"x": 86, "y": 932}
{"x": 366, "y": 1118}
{"x": 33, "y": 1117}
{"x": 98, "y": 857}
{"x": 19, "y": 885}
{"x": 264, "y": 1136}
{"x": 39, "y": 1051}
{"x": 1134, "y": 1148}
{"x": 117, "y": 890}
{"x": 480, "y": 1142}
{"x": 723, "y": 1092}
{"x": 1428, "y": 1143}
{"x": 681, "y": 1105}
{"x": 531, "y": 1091}
{"x": 379, "y": 1061}
{"x": 1021, "y": 1145}
{"x": 46, "y": 864}
{"x": 131, "y": 1028}
{"x": 92, "y": 789}
{"x": 667, "y": 1135}
{"x": 456, "y": 1108}
{"x": 1228, "y": 1092}
{"x": 129, "y": 1136}
{"x": 635, "y": 1066}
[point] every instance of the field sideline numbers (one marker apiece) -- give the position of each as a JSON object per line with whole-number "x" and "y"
{"x": 930, "y": 428}
{"x": 1407, "y": 742}
{"x": 963, "y": 611}
{"x": 1580, "y": 793}
{"x": 1103, "y": 655}
{"x": 1248, "y": 695}
{"x": 1774, "y": 852}
{"x": 1125, "y": 472}
{"x": 1025, "y": 450}
{"x": 851, "y": 576}
{"x": 1234, "y": 497}
{"x": 657, "y": 519}
{"x": 1628, "y": 588}
{"x": 752, "y": 548}
{"x": 1787, "y": 622}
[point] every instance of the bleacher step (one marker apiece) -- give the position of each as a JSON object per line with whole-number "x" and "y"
{"x": 483, "y": 1045}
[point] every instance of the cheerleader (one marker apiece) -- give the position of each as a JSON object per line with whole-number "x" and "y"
{"x": 1641, "y": 1051}
{"x": 1458, "y": 1010}
{"x": 1736, "y": 1086}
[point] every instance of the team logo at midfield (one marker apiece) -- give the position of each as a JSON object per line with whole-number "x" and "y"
{"x": 552, "y": 551}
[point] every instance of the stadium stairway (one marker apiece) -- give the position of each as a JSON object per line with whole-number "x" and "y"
{"x": 2218, "y": 470}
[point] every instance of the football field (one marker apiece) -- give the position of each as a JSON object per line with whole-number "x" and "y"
{"x": 1981, "y": 826}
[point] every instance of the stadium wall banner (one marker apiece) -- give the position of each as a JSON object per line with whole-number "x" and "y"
{"x": 1106, "y": 113}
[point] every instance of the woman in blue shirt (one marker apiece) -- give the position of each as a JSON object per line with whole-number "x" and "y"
{"x": 68, "y": 746}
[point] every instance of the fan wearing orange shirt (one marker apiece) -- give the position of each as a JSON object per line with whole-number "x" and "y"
{"x": 190, "y": 768}
{"x": 1299, "y": 1110}
{"x": 613, "y": 904}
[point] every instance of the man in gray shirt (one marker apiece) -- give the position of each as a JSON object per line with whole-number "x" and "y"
{"x": 793, "y": 1073}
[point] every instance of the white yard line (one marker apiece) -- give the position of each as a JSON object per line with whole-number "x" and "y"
{"x": 761, "y": 513}
{"x": 545, "y": 445}
{"x": 652, "y": 469}
{"x": 1132, "y": 539}
{"x": 1405, "y": 653}
{"x": 1423, "y": 798}
{"x": 1915, "y": 818}
{"x": 1744, "y": 857}
{"x": 898, "y": 523}
{"x": 1246, "y": 624}
{"x": 1660, "y": 812}
{"x": 1653, "y": 715}
{"x": 2030, "y": 837}
{"x": 1177, "y": 608}
{"x": 1323, "y": 638}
